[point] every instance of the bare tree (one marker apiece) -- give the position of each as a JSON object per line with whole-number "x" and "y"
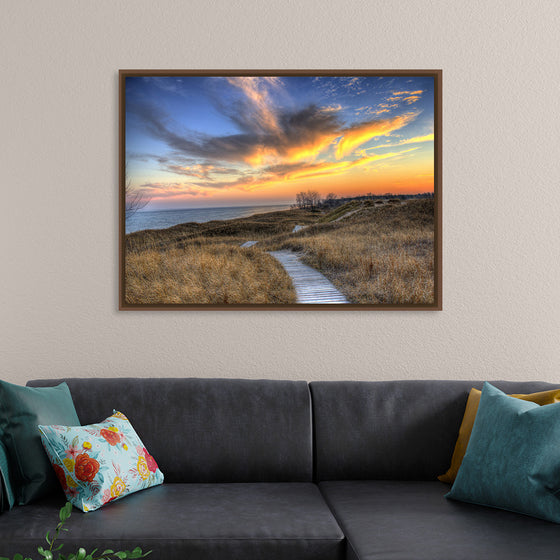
{"x": 134, "y": 200}
{"x": 308, "y": 200}
{"x": 314, "y": 199}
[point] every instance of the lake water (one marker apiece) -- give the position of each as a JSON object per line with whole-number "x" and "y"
{"x": 161, "y": 219}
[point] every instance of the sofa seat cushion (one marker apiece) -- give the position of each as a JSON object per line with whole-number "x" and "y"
{"x": 411, "y": 520}
{"x": 192, "y": 521}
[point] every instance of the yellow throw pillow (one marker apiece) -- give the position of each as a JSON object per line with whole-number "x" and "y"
{"x": 541, "y": 398}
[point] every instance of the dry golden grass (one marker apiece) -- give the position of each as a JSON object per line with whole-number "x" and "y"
{"x": 217, "y": 273}
{"x": 204, "y": 263}
{"x": 380, "y": 255}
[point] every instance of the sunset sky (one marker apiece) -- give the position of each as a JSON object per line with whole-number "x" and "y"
{"x": 194, "y": 142}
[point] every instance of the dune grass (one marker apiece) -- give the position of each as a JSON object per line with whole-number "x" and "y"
{"x": 214, "y": 272}
{"x": 204, "y": 263}
{"x": 339, "y": 212}
{"x": 381, "y": 254}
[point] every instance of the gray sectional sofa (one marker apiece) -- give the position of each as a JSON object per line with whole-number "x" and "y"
{"x": 285, "y": 470}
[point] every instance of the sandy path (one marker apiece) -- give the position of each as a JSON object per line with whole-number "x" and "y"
{"x": 347, "y": 214}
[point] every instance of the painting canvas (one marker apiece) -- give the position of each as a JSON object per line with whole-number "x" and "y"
{"x": 280, "y": 189}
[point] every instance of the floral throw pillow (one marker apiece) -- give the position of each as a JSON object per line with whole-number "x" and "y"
{"x": 99, "y": 463}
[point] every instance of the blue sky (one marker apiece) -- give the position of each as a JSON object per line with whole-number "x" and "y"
{"x": 195, "y": 141}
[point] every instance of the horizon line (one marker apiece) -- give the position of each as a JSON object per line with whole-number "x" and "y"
{"x": 387, "y": 194}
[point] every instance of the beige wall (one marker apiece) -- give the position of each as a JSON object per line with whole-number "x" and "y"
{"x": 501, "y": 189}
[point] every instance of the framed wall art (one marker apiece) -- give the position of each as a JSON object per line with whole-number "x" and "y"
{"x": 304, "y": 189}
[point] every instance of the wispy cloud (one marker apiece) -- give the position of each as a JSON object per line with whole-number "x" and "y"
{"x": 255, "y": 113}
{"x": 166, "y": 84}
{"x": 414, "y": 140}
{"x": 289, "y": 171}
{"x": 411, "y": 99}
{"x": 411, "y": 96}
{"x": 417, "y": 92}
{"x": 171, "y": 190}
{"x": 199, "y": 170}
{"x": 272, "y": 141}
{"x": 334, "y": 168}
{"x": 363, "y": 132}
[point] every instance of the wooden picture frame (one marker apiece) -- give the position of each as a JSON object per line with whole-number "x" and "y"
{"x": 346, "y": 165}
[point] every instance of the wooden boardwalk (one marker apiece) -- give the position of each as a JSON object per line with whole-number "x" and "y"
{"x": 310, "y": 285}
{"x": 248, "y": 244}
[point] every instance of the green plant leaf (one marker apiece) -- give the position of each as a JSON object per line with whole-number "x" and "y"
{"x": 58, "y": 547}
{"x": 18, "y": 557}
{"x": 46, "y": 554}
{"x": 121, "y": 555}
{"x": 65, "y": 512}
{"x": 68, "y": 508}
{"x": 104, "y": 553}
{"x": 4, "y": 558}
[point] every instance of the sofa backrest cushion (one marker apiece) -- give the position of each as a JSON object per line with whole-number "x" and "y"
{"x": 394, "y": 430}
{"x": 208, "y": 430}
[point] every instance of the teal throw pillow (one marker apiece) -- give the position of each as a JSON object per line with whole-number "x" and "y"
{"x": 7, "y": 497}
{"x": 513, "y": 457}
{"x": 100, "y": 463}
{"x": 21, "y": 410}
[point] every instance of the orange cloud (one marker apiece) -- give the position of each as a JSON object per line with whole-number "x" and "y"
{"x": 290, "y": 153}
{"x": 328, "y": 168}
{"x": 272, "y": 176}
{"x": 360, "y": 134}
{"x": 411, "y": 99}
{"x": 417, "y": 92}
{"x": 311, "y": 150}
{"x": 260, "y": 155}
